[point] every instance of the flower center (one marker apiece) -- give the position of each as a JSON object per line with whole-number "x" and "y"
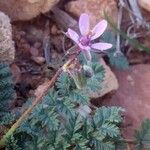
{"x": 85, "y": 40}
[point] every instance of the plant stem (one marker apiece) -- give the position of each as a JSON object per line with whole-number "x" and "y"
{"x": 37, "y": 100}
{"x": 118, "y": 49}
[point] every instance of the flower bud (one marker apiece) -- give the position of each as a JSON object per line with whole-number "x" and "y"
{"x": 88, "y": 71}
{"x": 75, "y": 70}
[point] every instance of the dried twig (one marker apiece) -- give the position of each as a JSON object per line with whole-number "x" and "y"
{"x": 118, "y": 49}
{"x": 136, "y": 11}
{"x": 46, "y": 44}
{"x": 64, "y": 20}
{"x": 124, "y": 4}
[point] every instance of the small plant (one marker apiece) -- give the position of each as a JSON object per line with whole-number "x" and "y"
{"x": 62, "y": 117}
{"x": 142, "y": 136}
{"x": 6, "y": 92}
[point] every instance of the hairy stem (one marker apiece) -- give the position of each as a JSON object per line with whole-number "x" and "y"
{"x": 37, "y": 100}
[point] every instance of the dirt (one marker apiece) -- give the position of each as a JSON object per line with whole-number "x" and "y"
{"x": 29, "y": 68}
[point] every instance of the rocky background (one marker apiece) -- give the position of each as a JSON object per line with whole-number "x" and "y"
{"x": 32, "y": 43}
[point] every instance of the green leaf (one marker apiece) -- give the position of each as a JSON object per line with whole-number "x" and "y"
{"x": 6, "y": 88}
{"x": 72, "y": 126}
{"x": 65, "y": 107}
{"x": 118, "y": 60}
{"x": 109, "y": 129}
{"x": 94, "y": 83}
{"x": 63, "y": 84}
{"x": 12, "y": 144}
{"x": 79, "y": 96}
{"x": 143, "y": 136}
{"x": 107, "y": 114}
{"x": 7, "y": 118}
{"x": 47, "y": 116}
{"x": 99, "y": 71}
{"x": 99, "y": 145}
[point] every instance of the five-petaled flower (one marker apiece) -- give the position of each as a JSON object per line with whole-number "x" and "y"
{"x": 85, "y": 40}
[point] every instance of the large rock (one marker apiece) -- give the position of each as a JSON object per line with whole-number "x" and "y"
{"x": 133, "y": 95}
{"x": 144, "y": 4}
{"x": 7, "y": 50}
{"x": 109, "y": 83}
{"x": 25, "y": 9}
{"x": 95, "y": 9}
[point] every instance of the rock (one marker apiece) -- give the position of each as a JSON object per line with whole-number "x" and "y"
{"x": 25, "y": 9}
{"x": 34, "y": 51}
{"x": 57, "y": 41}
{"x": 133, "y": 95}
{"x": 54, "y": 30}
{"x": 37, "y": 45}
{"x": 34, "y": 34}
{"x": 7, "y": 50}
{"x": 16, "y": 73}
{"x": 94, "y": 8}
{"x": 39, "y": 60}
{"x": 144, "y": 4}
{"x": 109, "y": 83}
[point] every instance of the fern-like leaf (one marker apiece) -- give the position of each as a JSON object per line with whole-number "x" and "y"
{"x": 143, "y": 136}
{"x": 79, "y": 97}
{"x": 108, "y": 114}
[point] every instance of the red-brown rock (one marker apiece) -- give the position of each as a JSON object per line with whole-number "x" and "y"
{"x": 25, "y": 9}
{"x": 145, "y": 4}
{"x": 95, "y": 9}
{"x": 133, "y": 95}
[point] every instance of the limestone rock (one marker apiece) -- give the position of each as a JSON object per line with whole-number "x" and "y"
{"x": 133, "y": 95}
{"x": 25, "y": 9}
{"x": 7, "y": 50}
{"x": 94, "y": 8}
{"x": 144, "y": 4}
{"x": 109, "y": 83}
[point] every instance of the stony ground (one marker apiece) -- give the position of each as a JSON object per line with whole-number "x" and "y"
{"x": 31, "y": 67}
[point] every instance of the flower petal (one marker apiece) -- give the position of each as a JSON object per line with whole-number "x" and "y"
{"x": 87, "y": 54}
{"x": 101, "y": 46}
{"x": 84, "y": 24}
{"x": 99, "y": 29}
{"x": 73, "y": 35}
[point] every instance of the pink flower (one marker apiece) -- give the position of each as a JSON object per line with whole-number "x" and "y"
{"x": 85, "y": 40}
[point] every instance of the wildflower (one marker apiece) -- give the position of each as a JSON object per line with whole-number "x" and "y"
{"x": 85, "y": 40}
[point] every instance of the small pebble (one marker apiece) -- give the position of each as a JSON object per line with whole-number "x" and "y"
{"x": 54, "y": 30}
{"x": 34, "y": 51}
{"x": 37, "y": 45}
{"x": 39, "y": 60}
